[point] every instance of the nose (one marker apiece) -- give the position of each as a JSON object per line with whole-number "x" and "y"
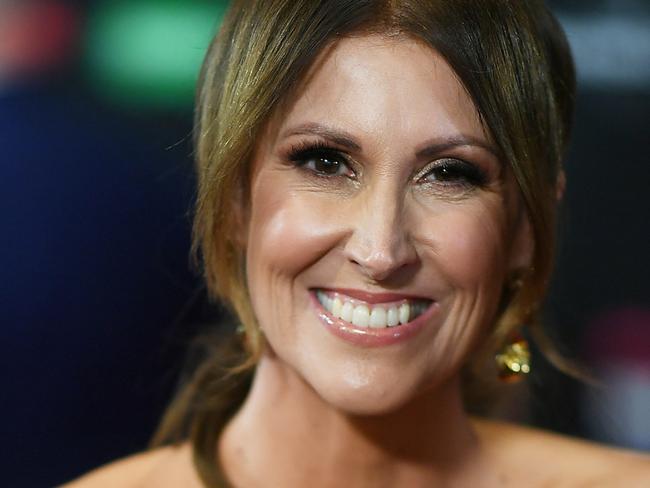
{"x": 380, "y": 243}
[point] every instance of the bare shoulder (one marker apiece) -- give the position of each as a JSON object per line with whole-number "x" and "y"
{"x": 562, "y": 460}
{"x": 164, "y": 467}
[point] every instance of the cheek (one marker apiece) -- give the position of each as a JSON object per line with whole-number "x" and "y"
{"x": 272, "y": 227}
{"x": 465, "y": 250}
{"x": 289, "y": 230}
{"x": 469, "y": 245}
{"x": 474, "y": 254}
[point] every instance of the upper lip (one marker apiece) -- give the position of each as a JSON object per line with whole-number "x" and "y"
{"x": 372, "y": 297}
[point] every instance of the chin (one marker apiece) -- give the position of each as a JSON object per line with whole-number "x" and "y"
{"x": 366, "y": 405}
{"x": 359, "y": 395}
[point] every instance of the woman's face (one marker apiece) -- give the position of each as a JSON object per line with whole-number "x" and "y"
{"x": 381, "y": 226}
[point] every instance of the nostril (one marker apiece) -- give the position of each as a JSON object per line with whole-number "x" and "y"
{"x": 379, "y": 266}
{"x": 380, "y": 243}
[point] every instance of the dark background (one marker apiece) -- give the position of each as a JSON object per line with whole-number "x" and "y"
{"x": 98, "y": 300}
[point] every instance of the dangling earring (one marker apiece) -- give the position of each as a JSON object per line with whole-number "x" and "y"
{"x": 513, "y": 361}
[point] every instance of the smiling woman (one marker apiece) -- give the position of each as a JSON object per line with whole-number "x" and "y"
{"x": 377, "y": 192}
{"x": 393, "y": 206}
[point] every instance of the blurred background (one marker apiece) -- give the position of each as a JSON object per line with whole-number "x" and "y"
{"x": 98, "y": 300}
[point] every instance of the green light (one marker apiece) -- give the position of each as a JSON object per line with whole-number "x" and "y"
{"x": 150, "y": 53}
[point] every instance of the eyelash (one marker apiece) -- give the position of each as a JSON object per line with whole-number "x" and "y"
{"x": 451, "y": 171}
{"x": 305, "y": 153}
{"x": 454, "y": 172}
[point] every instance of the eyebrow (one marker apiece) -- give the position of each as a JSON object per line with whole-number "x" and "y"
{"x": 429, "y": 149}
{"x": 338, "y": 137}
{"x": 434, "y": 147}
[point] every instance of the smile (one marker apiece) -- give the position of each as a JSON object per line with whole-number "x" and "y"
{"x": 373, "y": 315}
{"x": 372, "y": 319}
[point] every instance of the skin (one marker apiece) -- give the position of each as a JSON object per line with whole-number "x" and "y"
{"x": 325, "y": 412}
{"x": 385, "y": 228}
{"x": 385, "y": 222}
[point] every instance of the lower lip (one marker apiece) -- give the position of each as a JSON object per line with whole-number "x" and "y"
{"x": 368, "y": 336}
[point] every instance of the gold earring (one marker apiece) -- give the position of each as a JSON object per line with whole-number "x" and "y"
{"x": 513, "y": 361}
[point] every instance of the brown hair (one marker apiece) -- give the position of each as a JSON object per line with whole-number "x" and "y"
{"x": 513, "y": 60}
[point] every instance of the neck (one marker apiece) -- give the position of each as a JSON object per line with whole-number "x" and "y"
{"x": 284, "y": 425}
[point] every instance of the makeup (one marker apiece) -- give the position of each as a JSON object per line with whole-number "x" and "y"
{"x": 357, "y": 317}
{"x": 378, "y": 232}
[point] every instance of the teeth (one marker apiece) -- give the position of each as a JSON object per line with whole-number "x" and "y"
{"x": 336, "y": 307}
{"x": 404, "y": 313}
{"x": 361, "y": 316}
{"x": 392, "y": 318}
{"x": 415, "y": 311}
{"x": 422, "y": 307}
{"x": 377, "y": 317}
{"x": 347, "y": 311}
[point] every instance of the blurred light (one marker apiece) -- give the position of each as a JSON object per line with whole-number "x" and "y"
{"x": 34, "y": 36}
{"x": 150, "y": 53}
{"x": 618, "y": 345}
{"x": 611, "y": 50}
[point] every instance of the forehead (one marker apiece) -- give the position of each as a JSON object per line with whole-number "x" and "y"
{"x": 384, "y": 85}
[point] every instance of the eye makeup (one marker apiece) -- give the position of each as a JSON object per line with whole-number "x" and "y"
{"x": 321, "y": 159}
{"x": 446, "y": 173}
{"x": 453, "y": 172}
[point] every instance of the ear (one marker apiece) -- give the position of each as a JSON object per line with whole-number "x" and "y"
{"x": 523, "y": 244}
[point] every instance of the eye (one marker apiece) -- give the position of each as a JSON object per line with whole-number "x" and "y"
{"x": 326, "y": 164}
{"x": 322, "y": 161}
{"x": 453, "y": 172}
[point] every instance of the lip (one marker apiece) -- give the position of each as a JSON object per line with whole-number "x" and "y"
{"x": 373, "y": 298}
{"x": 367, "y": 336}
